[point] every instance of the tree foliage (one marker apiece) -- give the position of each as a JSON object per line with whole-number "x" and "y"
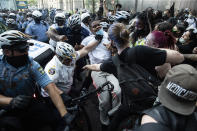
{"x": 32, "y": 2}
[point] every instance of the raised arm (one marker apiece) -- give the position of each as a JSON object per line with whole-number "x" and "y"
{"x": 52, "y": 33}
{"x": 106, "y": 11}
{"x": 86, "y": 49}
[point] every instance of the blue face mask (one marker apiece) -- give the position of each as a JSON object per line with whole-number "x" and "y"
{"x": 100, "y": 32}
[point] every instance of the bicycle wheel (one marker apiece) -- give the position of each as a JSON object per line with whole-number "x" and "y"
{"x": 82, "y": 121}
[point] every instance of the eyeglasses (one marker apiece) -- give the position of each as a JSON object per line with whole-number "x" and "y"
{"x": 65, "y": 61}
{"x": 22, "y": 50}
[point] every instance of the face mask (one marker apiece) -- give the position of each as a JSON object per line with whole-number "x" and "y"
{"x": 181, "y": 40}
{"x": 17, "y": 61}
{"x": 61, "y": 26}
{"x": 100, "y": 32}
{"x": 37, "y": 20}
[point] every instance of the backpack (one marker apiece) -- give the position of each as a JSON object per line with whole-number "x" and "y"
{"x": 137, "y": 84}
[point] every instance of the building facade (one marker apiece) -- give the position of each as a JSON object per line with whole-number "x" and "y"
{"x": 67, "y": 5}
{"x": 8, "y": 4}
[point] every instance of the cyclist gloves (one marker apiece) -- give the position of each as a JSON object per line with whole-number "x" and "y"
{"x": 65, "y": 122}
{"x": 20, "y": 102}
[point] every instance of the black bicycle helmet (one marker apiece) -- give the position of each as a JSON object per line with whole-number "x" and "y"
{"x": 14, "y": 39}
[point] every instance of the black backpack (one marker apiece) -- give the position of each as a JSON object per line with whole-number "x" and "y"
{"x": 139, "y": 87}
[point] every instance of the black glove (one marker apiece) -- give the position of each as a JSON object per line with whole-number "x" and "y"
{"x": 68, "y": 118}
{"x": 65, "y": 122}
{"x": 99, "y": 37}
{"x": 20, "y": 102}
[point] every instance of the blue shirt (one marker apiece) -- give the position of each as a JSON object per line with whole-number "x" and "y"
{"x": 38, "y": 30}
{"x": 21, "y": 81}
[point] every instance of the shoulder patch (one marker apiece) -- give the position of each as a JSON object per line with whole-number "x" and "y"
{"x": 51, "y": 71}
{"x": 40, "y": 69}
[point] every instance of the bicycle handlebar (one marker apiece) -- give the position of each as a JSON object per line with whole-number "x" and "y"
{"x": 98, "y": 90}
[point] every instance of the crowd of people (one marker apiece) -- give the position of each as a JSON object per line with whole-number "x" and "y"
{"x": 164, "y": 43}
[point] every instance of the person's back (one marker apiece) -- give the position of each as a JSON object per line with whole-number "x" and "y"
{"x": 178, "y": 102}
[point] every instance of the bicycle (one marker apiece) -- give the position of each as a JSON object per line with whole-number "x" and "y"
{"x": 81, "y": 121}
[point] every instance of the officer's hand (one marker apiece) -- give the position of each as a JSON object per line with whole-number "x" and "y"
{"x": 99, "y": 37}
{"x": 20, "y": 102}
{"x": 66, "y": 122}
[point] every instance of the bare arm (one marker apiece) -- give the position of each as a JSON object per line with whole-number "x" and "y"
{"x": 105, "y": 8}
{"x": 5, "y": 100}
{"x": 52, "y": 33}
{"x": 86, "y": 49}
{"x": 93, "y": 67}
{"x": 56, "y": 99}
{"x": 147, "y": 119}
{"x": 173, "y": 57}
{"x": 192, "y": 57}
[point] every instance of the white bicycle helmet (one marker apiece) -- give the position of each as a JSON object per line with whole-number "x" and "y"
{"x": 74, "y": 20}
{"x": 13, "y": 39}
{"x": 122, "y": 15}
{"x": 104, "y": 24}
{"x": 37, "y": 13}
{"x": 60, "y": 16}
{"x": 65, "y": 50}
{"x": 84, "y": 15}
{"x": 10, "y": 21}
{"x": 12, "y": 15}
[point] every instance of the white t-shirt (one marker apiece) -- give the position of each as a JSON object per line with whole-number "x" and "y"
{"x": 100, "y": 53}
{"x": 61, "y": 74}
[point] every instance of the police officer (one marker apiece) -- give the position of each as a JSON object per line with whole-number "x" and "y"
{"x": 38, "y": 28}
{"x": 57, "y": 31}
{"x": 19, "y": 76}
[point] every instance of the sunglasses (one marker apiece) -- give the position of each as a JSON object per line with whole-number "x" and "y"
{"x": 22, "y": 50}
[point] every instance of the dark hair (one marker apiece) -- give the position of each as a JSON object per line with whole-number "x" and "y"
{"x": 136, "y": 34}
{"x": 118, "y": 5}
{"x": 172, "y": 21}
{"x": 192, "y": 36}
{"x": 164, "y": 26}
{"x": 119, "y": 34}
{"x": 181, "y": 28}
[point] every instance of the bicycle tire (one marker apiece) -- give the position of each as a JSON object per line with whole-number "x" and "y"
{"x": 82, "y": 121}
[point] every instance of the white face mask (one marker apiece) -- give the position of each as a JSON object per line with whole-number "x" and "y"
{"x": 61, "y": 26}
{"x": 181, "y": 40}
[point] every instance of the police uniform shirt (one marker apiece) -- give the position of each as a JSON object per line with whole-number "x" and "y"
{"x": 61, "y": 74}
{"x": 21, "y": 81}
{"x": 38, "y": 30}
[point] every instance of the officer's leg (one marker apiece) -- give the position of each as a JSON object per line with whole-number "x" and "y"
{"x": 99, "y": 78}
